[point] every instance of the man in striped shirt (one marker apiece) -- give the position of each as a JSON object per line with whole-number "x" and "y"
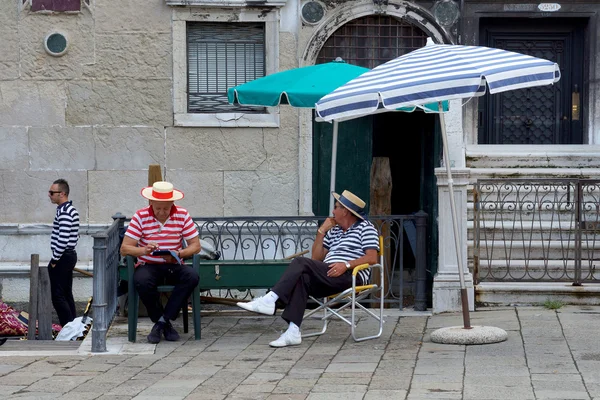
{"x": 65, "y": 233}
{"x": 343, "y": 242}
{"x": 162, "y": 226}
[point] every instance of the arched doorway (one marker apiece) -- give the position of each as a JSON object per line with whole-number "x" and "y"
{"x": 370, "y": 41}
{"x": 409, "y": 140}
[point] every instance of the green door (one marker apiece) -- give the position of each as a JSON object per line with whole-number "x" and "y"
{"x": 354, "y": 157}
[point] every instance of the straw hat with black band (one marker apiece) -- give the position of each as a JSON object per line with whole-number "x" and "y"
{"x": 352, "y": 203}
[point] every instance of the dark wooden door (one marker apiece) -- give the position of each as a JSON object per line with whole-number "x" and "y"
{"x": 354, "y": 157}
{"x": 541, "y": 115}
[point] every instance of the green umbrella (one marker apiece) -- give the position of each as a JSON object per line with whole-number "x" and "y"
{"x": 303, "y": 87}
{"x": 299, "y": 87}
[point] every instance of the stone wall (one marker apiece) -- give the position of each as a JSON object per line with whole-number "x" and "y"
{"x": 100, "y": 114}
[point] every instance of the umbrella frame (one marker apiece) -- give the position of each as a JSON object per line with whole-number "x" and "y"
{"x": 534, "y": 75}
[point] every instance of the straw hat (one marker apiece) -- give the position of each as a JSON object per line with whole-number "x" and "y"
{"x": 351, "y": 202}
{"x": 162, "y": 191}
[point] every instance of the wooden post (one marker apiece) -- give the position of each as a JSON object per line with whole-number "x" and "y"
{"x": 33, "y": 295}
{"x": 154, "y": 174}
{"x": 44, "y": 305}
{"x": 381, "y": 204}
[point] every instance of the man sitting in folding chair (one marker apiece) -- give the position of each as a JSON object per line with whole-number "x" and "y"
{"x": 342, "y": 243}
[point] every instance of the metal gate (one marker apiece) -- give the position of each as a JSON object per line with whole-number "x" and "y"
{"x": 538, "y": 230}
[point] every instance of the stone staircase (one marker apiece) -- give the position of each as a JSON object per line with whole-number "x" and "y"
{"x": 527, "y": 234}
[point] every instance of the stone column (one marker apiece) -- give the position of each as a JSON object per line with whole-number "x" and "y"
{"x": 446, "y": 283}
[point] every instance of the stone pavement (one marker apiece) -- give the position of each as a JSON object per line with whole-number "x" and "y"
{"x": 548, "y": 354}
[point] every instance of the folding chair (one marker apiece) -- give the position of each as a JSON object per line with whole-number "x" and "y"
{"x": 351, "y": 297}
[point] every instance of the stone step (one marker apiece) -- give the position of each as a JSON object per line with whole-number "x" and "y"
{"x": 524, "y": 293}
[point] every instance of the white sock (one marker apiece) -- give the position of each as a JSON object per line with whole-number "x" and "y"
{"x": 270, "y": 297}
{"x": 293, "y": 328}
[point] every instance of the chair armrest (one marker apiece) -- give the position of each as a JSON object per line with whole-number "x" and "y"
{"x": 196, "y": 263}
{"x": 360, "y": 267}
{"x": 130, "y": 267}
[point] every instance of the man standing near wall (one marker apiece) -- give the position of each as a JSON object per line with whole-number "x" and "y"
{"x": 65, "y": 233}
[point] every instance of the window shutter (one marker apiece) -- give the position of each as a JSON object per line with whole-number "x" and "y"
{"x": 220, "y": 56}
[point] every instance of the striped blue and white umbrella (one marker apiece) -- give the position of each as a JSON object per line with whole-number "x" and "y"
{"x": 436, "y": 73}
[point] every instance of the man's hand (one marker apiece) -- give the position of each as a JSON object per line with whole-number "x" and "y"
{"x": 150, "y": 247}
{"x": 336, "y": 269}
{"x": 327, "y": 225}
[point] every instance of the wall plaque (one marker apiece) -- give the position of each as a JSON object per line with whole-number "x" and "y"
{"x": 549, "y": 7}
{"x": 520, "y": 7}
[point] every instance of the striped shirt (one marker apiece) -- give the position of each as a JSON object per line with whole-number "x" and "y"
{"x": 65, "y": 230}
{"x": 145, "y": 228}
{"x": 346, "y": 246}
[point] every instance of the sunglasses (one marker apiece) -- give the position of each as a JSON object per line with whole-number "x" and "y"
{"x": 52, "y": 192}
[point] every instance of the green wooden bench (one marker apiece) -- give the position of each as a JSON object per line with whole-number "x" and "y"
{"x": 238, "y": 274}
{"x": 214, "y": 274}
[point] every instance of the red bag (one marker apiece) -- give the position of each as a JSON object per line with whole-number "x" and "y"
{"x": 15, "y": 323}
{"x": 10, "y": 325}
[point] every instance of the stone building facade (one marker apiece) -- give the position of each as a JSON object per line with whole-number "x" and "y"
{"x": 117, "y": 101}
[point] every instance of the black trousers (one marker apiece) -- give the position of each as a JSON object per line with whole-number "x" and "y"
{"x": 61, "y": 286}
{"x": 305, "y": 277}
{"x": 148, "y": 277}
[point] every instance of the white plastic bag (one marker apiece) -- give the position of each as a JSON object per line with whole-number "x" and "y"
{"x": 73, "y": 329}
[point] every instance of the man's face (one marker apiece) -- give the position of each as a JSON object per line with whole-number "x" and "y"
{"x": 161, "y": 209}
{"x": 338, "y": 211}
{"x": 55, "y": 194}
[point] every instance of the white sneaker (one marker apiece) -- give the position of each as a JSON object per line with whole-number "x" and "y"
{"x": 287, "y": 339}
{"x": 258, "y": 305}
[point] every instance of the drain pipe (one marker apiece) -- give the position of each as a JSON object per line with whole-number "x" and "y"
{"x": 461, "y": 8}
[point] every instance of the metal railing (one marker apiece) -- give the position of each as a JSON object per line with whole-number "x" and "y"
{"x": 536, "y": 230}
{"x": 252, "y": 238}
{"x": 105, "y": 281}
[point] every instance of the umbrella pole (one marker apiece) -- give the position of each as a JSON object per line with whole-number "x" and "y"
{"x": 333, "y": 164}
{"x": 463, "y": 290}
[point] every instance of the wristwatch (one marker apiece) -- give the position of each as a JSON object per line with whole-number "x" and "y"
{"x": 347, "y": 265}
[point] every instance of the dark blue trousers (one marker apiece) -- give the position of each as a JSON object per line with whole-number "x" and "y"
{"x": 61, "y": 286}
{"x": 147, "y": 277}
{"x": 304, "y": 277}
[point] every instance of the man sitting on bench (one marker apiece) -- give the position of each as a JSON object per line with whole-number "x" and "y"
{"x": 343, "y": 242}
{"x": 162, "y": 226}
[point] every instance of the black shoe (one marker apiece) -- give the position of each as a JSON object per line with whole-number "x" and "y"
{"x": 170, "y": 333}
{"x": 156, "y": 332}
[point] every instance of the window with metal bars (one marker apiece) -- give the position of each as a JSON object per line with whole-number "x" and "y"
{"x": 372, "y": 40}
{"x": 220, "y": 56}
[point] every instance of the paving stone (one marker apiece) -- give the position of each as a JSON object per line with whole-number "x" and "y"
{"x": 5, "y": 369}
{"x": 385, "y": 394}
{"x": 385, "y": 383}
{"x": 297, "y": 396}
{"x": 205, "y": 396}
{"x": 434, "y": 394}
{"x": 336, "y": 396}
{"x": 336, "y": 388}
{"x": 81, "y": 396}
{"x": 234, "y": 361}
{"x": 259, "y": 388}
{"x": 6, "y": 389}
{"x": 59, "y": 383}
{"x": 498, "y": 392}
{"x": 351, "y": 367}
